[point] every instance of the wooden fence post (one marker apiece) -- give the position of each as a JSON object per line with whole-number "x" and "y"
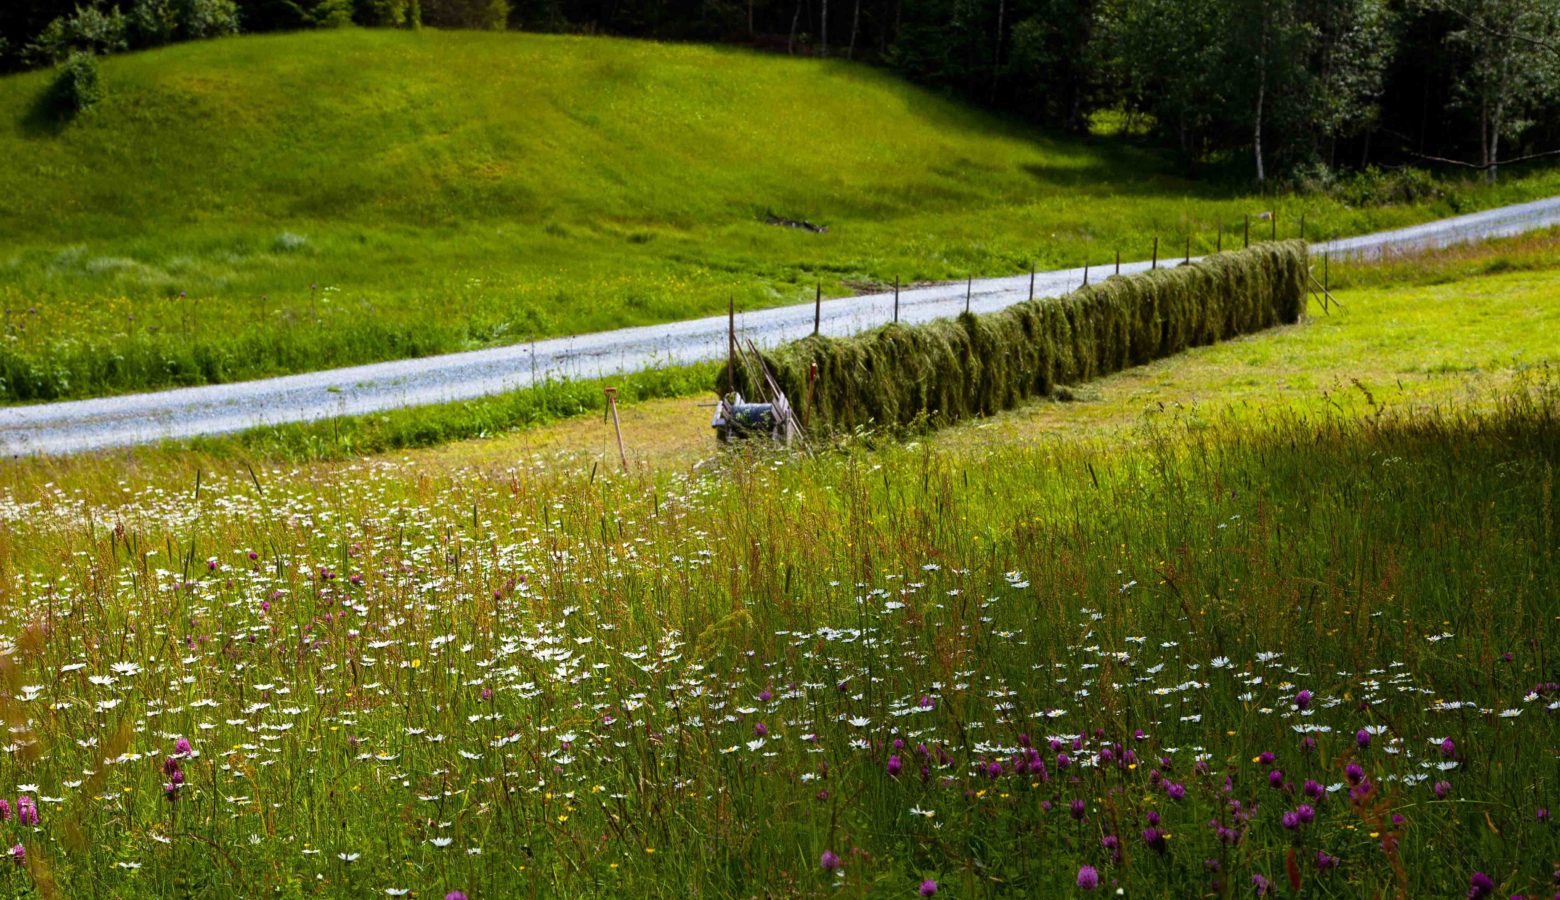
{"x": 817, "y": 308}
{"x": 1245, "y": 240}
{"x": 1273, "y": 219}
{"x": 1188, "y": 249}
{"x": 1302, "y": 226}
{"x": 896, "y": 299}
{"x": 969, "y": 288}
{"x": 1118, "y": 262}
{"x": 1155, "y": 263}
{"x": 731, "y": 344}
{"x": 1085, "y": 274}
{"x": 1031, "y": 281}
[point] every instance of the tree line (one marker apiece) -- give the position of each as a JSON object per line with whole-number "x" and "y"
{"x": 1297, "y": 89}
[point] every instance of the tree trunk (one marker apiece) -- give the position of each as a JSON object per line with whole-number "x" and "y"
{"x": 823, "y": 21}
{"x": 996, "y": 61}
{"x": 855, "y": 23}
{"x": 1494, "y": 159}
{"x": 1256, "y": 134}
{"x": 1484, "y": 134}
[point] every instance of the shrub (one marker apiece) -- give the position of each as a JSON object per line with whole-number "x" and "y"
{"x": 487, "y": 14}
{"x": 77, "y": 87}
{"x": 154, "y": 22}
{"x": 383, "y": 13}
{"x": 208, "y": 18}
{"x": 1371, "y": 187}
{"x": 333, "y": 14}
{"x": 89, "y": 28}
{"x": 977, "y": 365}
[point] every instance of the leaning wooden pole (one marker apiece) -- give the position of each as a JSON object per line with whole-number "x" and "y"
{"x": 617, "y": 425}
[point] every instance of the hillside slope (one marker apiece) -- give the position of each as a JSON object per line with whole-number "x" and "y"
{"x": 287, "y": 202}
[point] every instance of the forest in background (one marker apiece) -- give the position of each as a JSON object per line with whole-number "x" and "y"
{"x": 1311, "y": 92}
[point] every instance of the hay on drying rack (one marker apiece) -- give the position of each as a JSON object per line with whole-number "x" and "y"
{"x": 953, "y": 369}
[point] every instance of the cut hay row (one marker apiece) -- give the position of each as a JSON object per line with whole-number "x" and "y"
{"x": 976, "y": 365}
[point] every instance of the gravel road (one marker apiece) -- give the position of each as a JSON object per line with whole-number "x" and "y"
{"x": 82, "y": 425}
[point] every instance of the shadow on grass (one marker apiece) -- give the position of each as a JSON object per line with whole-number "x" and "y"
{"x": 47, "y": 115}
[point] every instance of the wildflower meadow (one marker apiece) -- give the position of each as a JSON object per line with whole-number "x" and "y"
{"x": 1289, "y": 654}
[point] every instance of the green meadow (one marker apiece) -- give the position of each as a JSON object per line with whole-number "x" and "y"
{"x": 270, "y": 204}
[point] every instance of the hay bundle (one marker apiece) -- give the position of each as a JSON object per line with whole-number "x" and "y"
{"x": 952, "y": 369}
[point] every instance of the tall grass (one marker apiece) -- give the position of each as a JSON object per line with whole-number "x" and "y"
{"x": 986, "y": 668}
{"x": 283, "y": 203}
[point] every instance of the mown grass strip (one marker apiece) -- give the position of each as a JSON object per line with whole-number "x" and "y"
{"x": 425, "y": 426}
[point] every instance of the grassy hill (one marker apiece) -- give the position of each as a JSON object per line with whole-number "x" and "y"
{"x": 287, "y": 202}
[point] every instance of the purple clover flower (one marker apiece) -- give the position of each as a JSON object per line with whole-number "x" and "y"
{"x": 1088, "y": 878}
{"x": 1155, "y": 839}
